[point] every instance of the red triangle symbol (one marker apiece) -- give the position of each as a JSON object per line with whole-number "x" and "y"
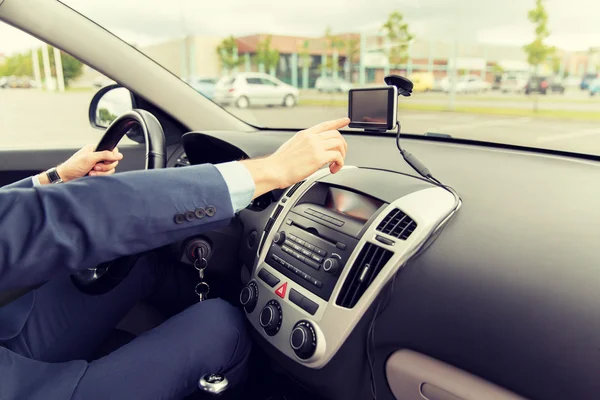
{"x": 281, "y": 290}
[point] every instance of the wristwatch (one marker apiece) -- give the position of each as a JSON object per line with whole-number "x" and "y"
{"x": 53, "y": 175}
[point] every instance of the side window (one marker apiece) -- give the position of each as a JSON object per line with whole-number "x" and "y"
{"x": 45, "y": 95}
{"x": 254, "y": 81}
{"x": 268, "y": 82}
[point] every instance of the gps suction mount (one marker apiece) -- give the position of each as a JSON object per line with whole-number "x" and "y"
{"x": 404, "y": 85}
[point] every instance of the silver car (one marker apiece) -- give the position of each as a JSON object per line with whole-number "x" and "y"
{"x": 256, "y": 89}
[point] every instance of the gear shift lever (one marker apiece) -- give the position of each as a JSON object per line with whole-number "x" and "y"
{"x": 213, "y": 383}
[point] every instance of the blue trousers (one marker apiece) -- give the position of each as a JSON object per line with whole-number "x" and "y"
{"x": 66, "y": 327}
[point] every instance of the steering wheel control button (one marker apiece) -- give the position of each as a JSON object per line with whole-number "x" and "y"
{"x": 213, "y": 383}
{"x": 249, "y": 296}
{"x": 179, "y": 218}
{"x": 268, "y": 277}
{"x": 190, "y": 216}
{"x": 210, "y": 211}
{"x": 279, "y": 238}
{"x": 303, "y": 340}
{"x": 200, "y": 213}
{"x": 281, "y": 290}
{"x": 271, "y": 318}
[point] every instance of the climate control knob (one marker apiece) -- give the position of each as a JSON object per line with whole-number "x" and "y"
{"x": 331, "y": 265}
{"x": 270, "y": 318}
{"x": 303, "y": 340}
{"x": 279, "y": 238}
{"x": 249, "y": 296}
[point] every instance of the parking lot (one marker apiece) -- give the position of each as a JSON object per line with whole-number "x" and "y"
{"x": 32, "y": 119}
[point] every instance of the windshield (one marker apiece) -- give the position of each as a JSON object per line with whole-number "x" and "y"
{"x": 477, "y": 66}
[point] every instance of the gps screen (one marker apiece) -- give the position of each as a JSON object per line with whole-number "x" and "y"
{"x": 370, "y": 107}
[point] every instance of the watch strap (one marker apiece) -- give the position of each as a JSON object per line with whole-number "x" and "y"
{"x": 53, "y": 175}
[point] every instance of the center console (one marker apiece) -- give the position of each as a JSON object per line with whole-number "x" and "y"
{"x": 331, "y": 244}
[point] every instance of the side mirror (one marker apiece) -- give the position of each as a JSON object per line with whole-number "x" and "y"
{"x": 108, "y": 103}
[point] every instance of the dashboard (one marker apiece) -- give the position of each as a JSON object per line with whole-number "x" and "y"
{"x": 503, "y": 301}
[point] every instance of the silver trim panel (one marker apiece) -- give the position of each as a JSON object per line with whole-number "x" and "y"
{"x": 332, "y": 323}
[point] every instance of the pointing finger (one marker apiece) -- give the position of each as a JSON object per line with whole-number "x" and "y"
{"x": 329, "y": 125}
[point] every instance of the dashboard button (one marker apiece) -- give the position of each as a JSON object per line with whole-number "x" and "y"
{"x": 384, "y": 240}
{"x": 287, "y": 250}
{"x": 306, "y": 252}
{"x": 312, "y": 264}
{"x": 316, "y": 258}
{"x": 268, "y": 277}
{"x": 300, "y": 242}
{"x": 309, "y": 306}
{"x": 320, "y": 251}
{"x": 340, "y": 245}
{"x": 309, "y": 246}
{"x": 295, "y": 297}
{"x": 296, "y": 247}
{"x": 317, "y": 283}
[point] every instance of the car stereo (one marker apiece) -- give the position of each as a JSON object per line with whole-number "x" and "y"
{"x": 318, "y": 236}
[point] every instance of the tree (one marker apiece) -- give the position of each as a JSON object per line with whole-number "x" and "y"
{"x": 22, "y": 65}
{"x": 556, "y": 64}
{"x": 537, "y": 51}
{"x": 266, "y": 56}
{"x": 396, "y": 31}
{"x": 352, "y": 53}
{"x": 333, "y": 43}
{"x": 227, "y": 52}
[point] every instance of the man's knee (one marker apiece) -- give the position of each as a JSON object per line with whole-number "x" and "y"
{"x": 227, "y": 326}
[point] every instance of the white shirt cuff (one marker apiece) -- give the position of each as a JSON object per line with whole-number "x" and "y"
{"x": 36, "y": 181}
{"x": 239, "y": 182}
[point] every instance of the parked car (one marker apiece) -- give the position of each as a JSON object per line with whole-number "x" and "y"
{"x": 513, "y": 84}
{"x": 3, "y": 82}
{"x": 204, "y": 86}
{"x": 332, "y": 84}
{"x": 254, "y": 88}
{"x": 422, "y": 81}
{"x": 586, "y": 80}
{"x": 544, "y": 84}
{"x": 594, "y": 87}
{"x": 466, "y": 84}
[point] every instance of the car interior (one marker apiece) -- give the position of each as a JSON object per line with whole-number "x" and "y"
{"x": 372, "y": 282}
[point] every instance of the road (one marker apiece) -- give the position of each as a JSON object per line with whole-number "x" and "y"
{"x": 30, "y": 119}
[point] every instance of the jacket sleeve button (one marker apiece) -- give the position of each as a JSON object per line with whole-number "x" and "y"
{"x": 200, "y": 213}
{"x": 179, "y": 218}
{"x": 210, "y": 211}
{"x": 190, "y": 216}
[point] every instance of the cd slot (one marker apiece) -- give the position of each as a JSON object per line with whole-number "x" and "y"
{"x": 314, "y": 231}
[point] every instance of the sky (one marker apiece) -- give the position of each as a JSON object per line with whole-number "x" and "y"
{"x": 573, "y": 23}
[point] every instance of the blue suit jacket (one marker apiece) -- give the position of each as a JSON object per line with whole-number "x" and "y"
{"x": 55, "y": 229}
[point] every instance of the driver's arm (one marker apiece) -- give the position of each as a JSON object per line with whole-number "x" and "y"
{"x": 52, "y": 228}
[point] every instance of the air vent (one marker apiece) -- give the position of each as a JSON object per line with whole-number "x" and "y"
{"x": 294, "y": 188}
{"x": 269, "y": 225}
{"x": 397, "y": 224}
{"x": 182, "y": 161}
{"x": 370, "y": 261}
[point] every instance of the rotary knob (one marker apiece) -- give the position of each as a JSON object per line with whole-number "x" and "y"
{"x": 249, "y": 296}
{"x": 331, "y": 265}
{"x": 279, "y": 238}
{"x": 270, "y": 317}
{"x": 303, "y": 340}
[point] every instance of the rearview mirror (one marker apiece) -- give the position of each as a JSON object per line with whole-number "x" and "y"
{"x": 110, "y": 102}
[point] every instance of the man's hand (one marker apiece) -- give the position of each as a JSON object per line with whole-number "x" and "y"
{"x": 87, "y": 162}
{"x": 300, "y": 157}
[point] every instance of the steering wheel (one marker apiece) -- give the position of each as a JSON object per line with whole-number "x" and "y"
{"x": 108, "y": 275}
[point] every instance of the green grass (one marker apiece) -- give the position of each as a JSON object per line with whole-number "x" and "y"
{"x": 513, "y": 112}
